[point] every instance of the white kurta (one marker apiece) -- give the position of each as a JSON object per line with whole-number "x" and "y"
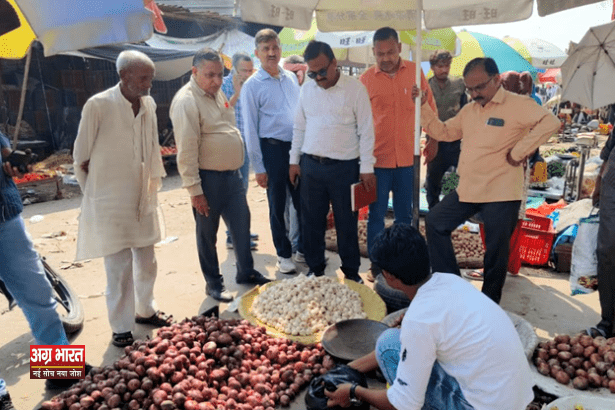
{"x": 115, "y": 141}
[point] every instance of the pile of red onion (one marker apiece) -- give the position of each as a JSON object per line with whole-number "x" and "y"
{"x": 200, "y": 364}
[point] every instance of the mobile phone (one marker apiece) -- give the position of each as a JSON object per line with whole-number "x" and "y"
{"x": 21, "y": 159}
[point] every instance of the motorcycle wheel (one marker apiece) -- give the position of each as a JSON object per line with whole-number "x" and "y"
{"x": 67, "y": 299}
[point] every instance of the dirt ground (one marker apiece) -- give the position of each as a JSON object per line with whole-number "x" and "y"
{"x": 541, "y": 296}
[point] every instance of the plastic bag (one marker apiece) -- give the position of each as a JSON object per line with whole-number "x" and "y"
{"x": 584, "y": 262}
{"x": 315, "y": 398}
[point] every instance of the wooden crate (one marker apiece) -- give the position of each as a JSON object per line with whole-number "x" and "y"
{"x": 41, "y": 191}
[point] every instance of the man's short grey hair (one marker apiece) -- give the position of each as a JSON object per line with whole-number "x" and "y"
{"x": 294, "y": 59}
{"x": 240, "y": 56}
{"x": 128, "y": 58}
{"x": 206, "y": 54}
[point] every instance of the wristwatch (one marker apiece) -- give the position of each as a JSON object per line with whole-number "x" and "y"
{"x": 352, "y": 396}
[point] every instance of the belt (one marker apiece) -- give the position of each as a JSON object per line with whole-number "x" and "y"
{"x": 274, "y": 141}
{"x": 324, "y": 160}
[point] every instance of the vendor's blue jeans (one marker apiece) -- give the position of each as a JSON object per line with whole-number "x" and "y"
{"x": 400, "y": 181}
{"x": 443, "y": 391}
{"x": 24, "y": 276}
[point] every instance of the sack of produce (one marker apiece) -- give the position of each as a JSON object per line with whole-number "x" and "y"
{"x": 315, "y": 398}
{"x": 584, "y": 262}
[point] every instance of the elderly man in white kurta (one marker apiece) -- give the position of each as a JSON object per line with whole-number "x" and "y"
{"x": 119, "y": 168}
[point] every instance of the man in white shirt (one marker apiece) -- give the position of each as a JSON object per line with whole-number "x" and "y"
{"x": 119, "y": 169}
{"x": 456, "y": 349}
{"x": 332, "y": 148}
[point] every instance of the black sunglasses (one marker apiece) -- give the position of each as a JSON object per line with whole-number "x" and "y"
{"x": 322, "y": 72}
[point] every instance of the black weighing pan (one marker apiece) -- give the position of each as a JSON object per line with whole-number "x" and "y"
{"x": 352, "y": 339}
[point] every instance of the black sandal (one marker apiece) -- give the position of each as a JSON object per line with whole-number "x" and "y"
{"x": 158, "y": 319}
{"x": 122, "y": 339}
{"x": 595, "y": 331}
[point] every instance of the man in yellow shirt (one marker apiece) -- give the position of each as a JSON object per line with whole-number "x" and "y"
{"x": 499, "y": 130}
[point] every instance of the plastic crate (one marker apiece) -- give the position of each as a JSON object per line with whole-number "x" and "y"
{"x": 535, "y": 246}
{"x": 538, "y": 223}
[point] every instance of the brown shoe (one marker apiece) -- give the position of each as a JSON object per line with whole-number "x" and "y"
{"x": 370, "y": 276}
{"x": 373, "y": 271}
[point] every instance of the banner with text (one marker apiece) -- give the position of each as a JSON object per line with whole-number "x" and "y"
{"x": 57, "y": 362}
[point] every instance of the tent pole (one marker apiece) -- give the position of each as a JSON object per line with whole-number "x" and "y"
{"x": 23, "y": 97}
{"x": 416, "y": 197}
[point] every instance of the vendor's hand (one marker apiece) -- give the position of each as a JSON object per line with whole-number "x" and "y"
{"x": 512, "y": 162}
{"x": 339, "y": 397}
{"x": 85, "y": 166}
{"x": 199, "y": 203}
{"x": 294, "y": 172}
{"x": 415, "y": 93}
{"x": 261, "y": 180}
{"x": 430, "y": 151}
{"x": 368, "y": 180}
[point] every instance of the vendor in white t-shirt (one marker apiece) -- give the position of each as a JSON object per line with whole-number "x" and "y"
{"x": 456, "y": 348}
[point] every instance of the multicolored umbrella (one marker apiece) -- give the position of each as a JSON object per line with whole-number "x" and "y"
{"x": 539, "y": 53}
{"x": 68, "y": 25}
{"x": 475, "y": 45}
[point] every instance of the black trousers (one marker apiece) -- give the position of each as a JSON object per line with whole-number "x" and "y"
{"x": 448, "y": 156}
{"x": 500, "y": 219}
{"x": 322, "y": 183}
{"x": 606, "y": 253}
{"x": 276, "y": 159}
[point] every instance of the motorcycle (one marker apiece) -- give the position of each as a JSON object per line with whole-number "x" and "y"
{"x": 72, "y": 313}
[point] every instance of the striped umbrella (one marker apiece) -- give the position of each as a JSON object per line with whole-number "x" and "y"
{"x": 539, "y": 53}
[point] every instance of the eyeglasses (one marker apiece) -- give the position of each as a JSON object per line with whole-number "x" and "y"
{"x": 479, "y": 87}
{"x": 322, "y": 72}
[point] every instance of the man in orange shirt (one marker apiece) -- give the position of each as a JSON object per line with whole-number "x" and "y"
{"x": 499, "y": 130}
{"x": 389, "y": 84}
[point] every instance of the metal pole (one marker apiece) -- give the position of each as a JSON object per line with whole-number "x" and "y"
{"x": 23, "y": 97}
{"x": 416, "y": 197}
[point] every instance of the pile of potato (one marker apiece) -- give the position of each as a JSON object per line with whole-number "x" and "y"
{"x": 580, "y": 359}
{"x": 467, "y": 245}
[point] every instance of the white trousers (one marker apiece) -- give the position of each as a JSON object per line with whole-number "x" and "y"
{"x": 131, "y": 274}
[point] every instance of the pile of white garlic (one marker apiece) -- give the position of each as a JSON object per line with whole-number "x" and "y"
{"x": 303, "y": 306}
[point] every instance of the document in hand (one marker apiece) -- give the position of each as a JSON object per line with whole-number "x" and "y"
{"x": 359, "y": 197}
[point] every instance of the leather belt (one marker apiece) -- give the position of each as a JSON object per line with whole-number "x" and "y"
{"x": 324, "y": 160}
{"x": 273, "y": 141}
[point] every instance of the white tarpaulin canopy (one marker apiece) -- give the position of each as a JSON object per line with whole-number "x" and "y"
{"x": 588, "y": 73}
{"x": 341, "y": 15}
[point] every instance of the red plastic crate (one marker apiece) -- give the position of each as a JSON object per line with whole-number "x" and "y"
{"x": 530, "y": 243}
{"x": 538, "y": 223}
{"x": 535, "y": 246}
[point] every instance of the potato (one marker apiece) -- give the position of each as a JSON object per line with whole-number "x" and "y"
{"x": 582, "y": 373}
{"x": 555, "y": 370}
{"x": 580, "y": 383}
{"x": 544, "y": 369}
{"x": 562, "y": 377}
{"x": 586, "y": 340}
{"x": 594, "y": 358}
{"x": 543, "y": 354}
{"x": 553, "y": 352}
{"x": 562, "y": 339}
{"x": 570, "y": 371}
{"x": 563, "y": 347}
{"x": 602, "y": 367}
{"x": 595, "y": 379}
{"x": 577, "y": 350}
{"x": 612, "y": 386}
{"x": 577, "y": 362}
{"x": 564, "y": 356}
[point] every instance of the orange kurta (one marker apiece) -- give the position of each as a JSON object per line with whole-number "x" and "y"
{"x": 393, "y": 111}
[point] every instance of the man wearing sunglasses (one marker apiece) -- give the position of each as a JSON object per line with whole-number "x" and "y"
{"x": 332, "y": 148}
{"x": 499, "y": 130}
{"x": 389, "y": 84}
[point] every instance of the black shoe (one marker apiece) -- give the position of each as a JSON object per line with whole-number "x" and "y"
{"x": 6, "y": 403}
{"x": 317, "y": 274}
{"x": 221, "y": 295}
{"x": 355, "y": 277}
{"x": 254, "y": 279}
{"x": 63, "y": 384}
